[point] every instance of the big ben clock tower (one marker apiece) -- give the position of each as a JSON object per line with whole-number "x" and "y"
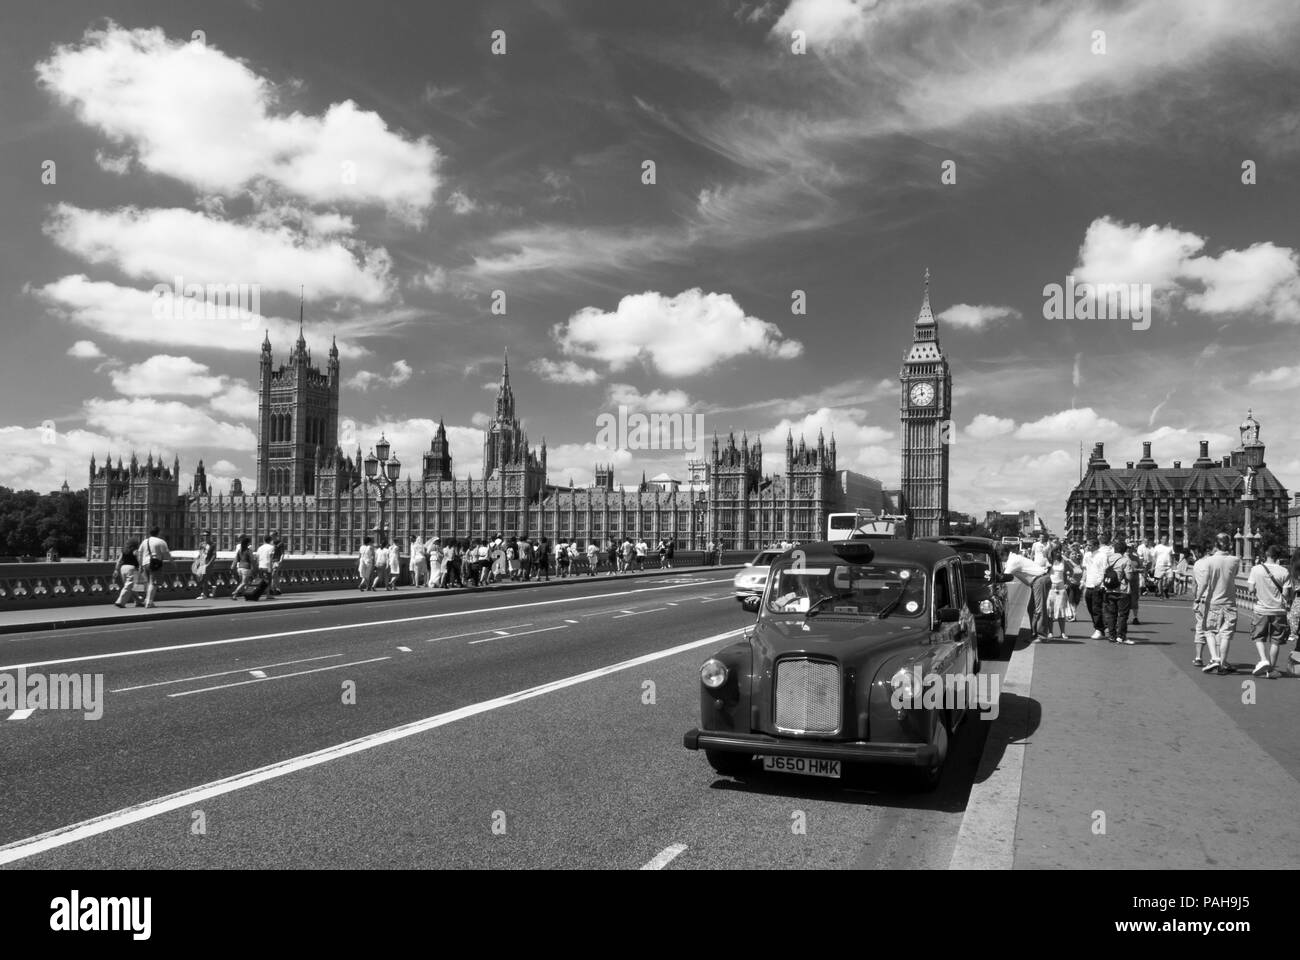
{"x": 925, "y": 412}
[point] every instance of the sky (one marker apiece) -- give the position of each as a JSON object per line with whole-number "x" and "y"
{"x": 719, "y": 208}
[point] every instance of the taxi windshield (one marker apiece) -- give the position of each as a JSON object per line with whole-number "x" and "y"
{"x": 847, "y": 589}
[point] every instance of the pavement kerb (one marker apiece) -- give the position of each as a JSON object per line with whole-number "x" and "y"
{"x": 347, "y": 596}
{"x": 987, "y": 838}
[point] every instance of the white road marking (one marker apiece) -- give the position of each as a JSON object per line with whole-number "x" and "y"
{"x": 260, "y": 674}
{"x": 224, "y": 673}
{"x": 570, "y": 621}
{"x": 499, "y": 633}
{"x": 671, "y": 604}
{"x": 457, "y": 636}
{"x": 283, "y": 676}
{"x": 342, "y": 626}
{"x": 22, "y": 714}
{"x": 665, "y": 857}
{"x": 404, "y": 649}
{"x": 72, "y": 833}
{"x": 637, "y": 613}
{"x": 524, "y": 634}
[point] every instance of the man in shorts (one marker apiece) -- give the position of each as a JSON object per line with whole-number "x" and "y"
{"x": 1220, "y": 604}
{"x": 1271, "y": 590}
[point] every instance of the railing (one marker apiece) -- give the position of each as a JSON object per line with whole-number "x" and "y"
{"x": 25, "y": 586}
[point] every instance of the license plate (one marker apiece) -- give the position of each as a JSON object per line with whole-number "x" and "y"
{"x": 807, "y": 766}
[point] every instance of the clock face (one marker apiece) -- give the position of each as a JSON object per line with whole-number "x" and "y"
{"x": 922, "y": 394}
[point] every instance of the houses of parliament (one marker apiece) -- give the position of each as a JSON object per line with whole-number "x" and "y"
{"x": 316, "y": 496}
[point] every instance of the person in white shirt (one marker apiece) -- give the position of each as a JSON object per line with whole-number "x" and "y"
{"x": 366, "y": 558}
{"x": 419, "y": 563}
{"x": 642, "y": 548}
{"x": 265, "y": 559}
{"x": 1199, "y": 572}
{"x": 1272, "y": 591}
{"x": 394, "y": 565}
{"x": 381, "y": 565}
{"x": 1095, "y": 559}
{"x": 593, "y": 558}
{"x": 154, "y": 547}
{"x": 1220, "y": 593}
{"x": 1162, "y": 562}
{"x": 1037, "y": 578}
{"x": 1039, "y": 551}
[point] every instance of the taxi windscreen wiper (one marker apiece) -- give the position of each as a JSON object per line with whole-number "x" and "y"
{"x": 889, "y": 607}
{"x": 816, "y": 605}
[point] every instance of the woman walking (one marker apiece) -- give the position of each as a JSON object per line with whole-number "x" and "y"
{"x": 128, "y": 565}
{"x": 1059, "y": 607}
{"x": 366, "y": 565}
{"x": 242, "y": 565}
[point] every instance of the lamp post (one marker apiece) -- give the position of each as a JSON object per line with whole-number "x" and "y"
{"x": 382, "y": 470}
{"x": 1248, "y": 535}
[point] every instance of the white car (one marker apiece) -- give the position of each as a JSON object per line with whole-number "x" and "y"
{"x": 752, "y": 578}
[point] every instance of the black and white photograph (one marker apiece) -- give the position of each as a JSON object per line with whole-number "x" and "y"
{"x": 690, "y": 435}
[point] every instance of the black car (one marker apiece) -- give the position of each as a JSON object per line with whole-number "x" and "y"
{"x": 863, "y": 653}
{"x": 986, "y": 590}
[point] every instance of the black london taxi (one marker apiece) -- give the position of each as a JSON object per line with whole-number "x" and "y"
{"x": 856, "y": 646}
{"x": 986, "y": 587}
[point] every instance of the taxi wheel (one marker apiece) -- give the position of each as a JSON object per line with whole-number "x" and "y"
{"x": 927, "y": 778}
{"x": 729, "y": 764}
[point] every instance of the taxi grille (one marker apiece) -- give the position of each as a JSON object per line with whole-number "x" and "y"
{"x": 808, "y": 697}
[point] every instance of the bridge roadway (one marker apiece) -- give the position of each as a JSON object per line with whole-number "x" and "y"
{"x": 450, "y": 755}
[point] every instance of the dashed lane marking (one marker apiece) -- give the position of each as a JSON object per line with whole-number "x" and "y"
{"x": 283, "y": 676}
{"x": 404, "y": 649}
{"x": 22, "y": 714}
{"x": 260, "y": 674}
{"x": 524, "y": 634}
{"x": 473, "y": 633}
{"x": 356, "y": 627}
{"x": 637, "y": 613}
{"x": 72, "y": 833}
{"x": 224, "y": 673}
{"x": 665, "y": 857}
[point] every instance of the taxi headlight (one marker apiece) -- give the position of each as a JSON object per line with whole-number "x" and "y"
{"x": 986, "y": 606}
{"x": 904, "y": 680}
{"x": 713, "y": 674}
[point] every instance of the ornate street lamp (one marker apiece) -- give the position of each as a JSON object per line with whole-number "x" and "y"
{"x": 382, "y": 471}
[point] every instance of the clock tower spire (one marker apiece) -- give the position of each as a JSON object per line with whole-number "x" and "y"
{"x": 925, "y": 412}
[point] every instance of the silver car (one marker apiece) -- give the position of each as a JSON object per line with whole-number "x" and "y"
{"x": 752, "y": 578}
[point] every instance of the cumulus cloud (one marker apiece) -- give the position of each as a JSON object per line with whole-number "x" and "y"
{"x": 162, "y": 244}
{"x": 126, "y": 314}
{"x": 677, "y": 336}
{"x": 656, "y": 401}
{"x": 363, "y": 380}
{"x": 1279, "y": 378}
{"x": 1262, "y": 280}
{"x": 163, "y": 375}
{"x": 1067, "y": 425}
{"x": 85, "y": 350}
{"x": 970, "y": 317}
{"x": 189, "y": 111}
{"x": 166, "y": 424}
{"x": 987, "y": 427}
{"x": 860, "y": 445}
{"x": 563, "y": 371}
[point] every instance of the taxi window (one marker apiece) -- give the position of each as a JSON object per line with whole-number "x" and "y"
{"x": 942, "y": 593}
{"x": 847, "y": 589}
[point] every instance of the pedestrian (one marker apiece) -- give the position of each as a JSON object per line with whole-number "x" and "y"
{"x": 670, "y": 547}
{"x": 1037, "y": 578}
{"x": 642, "y": 550}
{"x": 265, "y": 561}
{"x": 1293, "y": 616}
{"x": 1039, "y": 551}
{"x": 1162, "y": 567}
{"x": 1137, "y": 573}
{"x": 128, "y": 569}
{"x": 543, "y": 559}
{"x": 366, "y": 564}
{"x": 512, "y": 558}
{"x": 1220, "y": 594}
{"x": 202, "y": 568}
{"x": 708, "y": 552}
{"x": 563, "y": 558}
{"x": 153, "y": 554}
{"x": 437, "y": 562}
{"x": 1182, "y": 571}
{"x": 1272, "y": 590}
{"x": 593, "y": 558}
{"x": 394, "y": 565}
{"x": 242, "y": 565}
{"x": 1095, "y": 560}
{"x": 1059, "y": 608}
{"x": 277, "y": 558}
{"x": 1199, "y": 584}
{"x": 525, "y": 559}
{"x": 1116, "y": 581}
{"x": 662, "y": 550}
{"x": 419, "y": 563}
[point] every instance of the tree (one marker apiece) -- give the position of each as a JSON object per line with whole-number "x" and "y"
{"x": 33, "y": 523}
{"x": 1270, "y": 529}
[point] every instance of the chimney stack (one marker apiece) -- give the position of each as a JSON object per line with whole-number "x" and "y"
{"x": 1205, "y": 449}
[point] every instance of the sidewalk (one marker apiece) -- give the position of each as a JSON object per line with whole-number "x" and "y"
{"x": 1128, "y": 757}
{"x": 64, "y": 618}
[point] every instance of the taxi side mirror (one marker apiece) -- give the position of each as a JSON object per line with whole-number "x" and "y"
{"x": 948, "y": 615}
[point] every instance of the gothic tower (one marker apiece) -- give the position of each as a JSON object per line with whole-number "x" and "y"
{"x": 926, "y": 414}
{"x": 297, "y": 413}
{"x": 437, "y": 462}
{"x": 503, "y": 442}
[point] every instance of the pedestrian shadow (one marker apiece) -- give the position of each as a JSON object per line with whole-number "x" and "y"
{"x": 1019, "y": 718}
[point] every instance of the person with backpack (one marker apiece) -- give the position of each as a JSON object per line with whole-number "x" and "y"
{"x": 1272, "y": 590}
{"x": 153, "y": 554}
{"x": 1118, "y": 593}
{"x": 128, "y": 569}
